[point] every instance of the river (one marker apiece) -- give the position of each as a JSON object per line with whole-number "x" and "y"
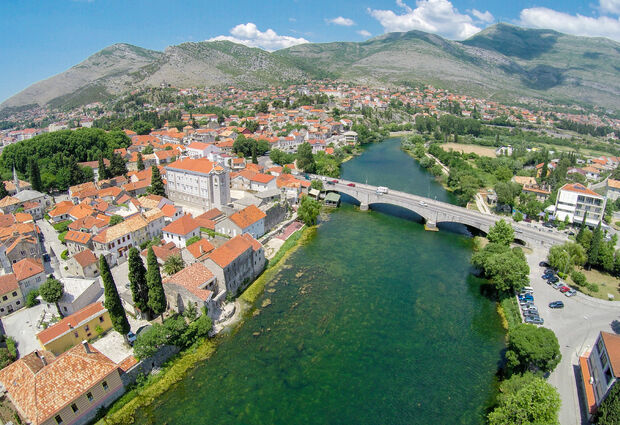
{"x": 373, "y": 321}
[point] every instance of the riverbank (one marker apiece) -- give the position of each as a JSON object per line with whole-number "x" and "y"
{"x": 124, "y": 409}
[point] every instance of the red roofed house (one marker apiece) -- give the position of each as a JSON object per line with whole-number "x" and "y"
{"x": 10, "y": 293}
{"x": 194, "y": 284}
{"x": 181, "y": 230}
{"x": 236, "y": 263}
{"x": 78, "y": 241}
{"x": 162, "y": 252}
{"x": 574, "y": 200}
{"x": 198, "y": 182}
{"x": 261, "y": 182}
{"x": 68, "y": 389}
{"x": 29, "y": 273}
{"x": 84, "y": 264}
{"x": 249, "y": 220}
{"x": 200, "y": 249}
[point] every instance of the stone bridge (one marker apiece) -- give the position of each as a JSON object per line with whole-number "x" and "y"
{"x": 436, "y": 212}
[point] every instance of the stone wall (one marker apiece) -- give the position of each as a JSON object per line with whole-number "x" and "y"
{"x": 144, "y": 367}
{"x": 276, "y": 213}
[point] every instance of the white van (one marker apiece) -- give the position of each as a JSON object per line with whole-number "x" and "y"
{"x": 382, "y": 190}
{"x": 528, "y": 288}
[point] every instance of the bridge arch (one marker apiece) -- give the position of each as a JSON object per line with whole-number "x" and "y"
{"x": 380, "y": 204}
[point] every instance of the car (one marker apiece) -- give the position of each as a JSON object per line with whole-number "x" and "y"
{"x": 553, "y": 279}
{"x": 564, "y": 289}
{"x": 556, "y": 304}
{"x": 131, "y": 337}
{"x": 330, "y": 182}
{"x": 529, "y": 309}
{"x": 570, "y": 293}
{"x": 127, "y": 285}
{"x": 549, "y": 270}
{"x": 548, "y": 225}
{"x": 526, "y": 292}
{"x": 534, "y": 320}
{"x": 423, "y": 203}
{"x": 334, "y": 181}
{"x": 351, "y": 184}
{"x": 556, "y": 285}
{"x": 526, "y": 301}
{"x": 46, "y": 257}
{"x": 547, "y": 276}
{"x": 543, "y": 264}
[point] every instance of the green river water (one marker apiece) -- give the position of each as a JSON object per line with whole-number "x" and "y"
{"x": 373, "y": 321}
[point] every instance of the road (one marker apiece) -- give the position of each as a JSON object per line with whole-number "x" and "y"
{"x": 53, "y": 247}
{"x": 576, "y": 327}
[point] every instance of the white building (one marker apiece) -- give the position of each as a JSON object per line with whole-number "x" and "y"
{"x": 600, "y": 369}
{"x": 574, "y": 200}
{"x": 78, "y": 293}
{"x": 181, "y": 230}
{"x": 249, "y": 220}
{"x": 198, "y": 182}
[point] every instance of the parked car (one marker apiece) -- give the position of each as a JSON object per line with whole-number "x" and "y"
{"x": 334, "y": 181}
{"x": 46, "y": 257}
{"x": 534, "y": 320}
{"x": 131, "y": 337}
{"x": 548, "y": 225}
{"x": 556, "y": 304}
{"x": 329, "y": 182}
{"x": 529, "y": 310}
{"x": 556, "y": 285}
{"x": 543, "y": 264}
{"x": 549, "y": 271}
{"x": 570, "y": 293}
{"x": 553, "y": 279}
{"x": 526, "y": 292}
{"x": 526, "y": 301}
{"x": 351, "y": 184}
{"x": 564, "y": 289}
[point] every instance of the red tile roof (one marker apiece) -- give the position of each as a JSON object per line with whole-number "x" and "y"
{"x": 27, "y": 267}
{"x": 200, "y": 248}
{"x": 199, "y": 165}
{"x": 579, "y": 188}
{"x": 193, "y": 278}
{"x": 182, "y": 225}
{"x": 78, "y": 237}
{"x": 612, "y": 344}
{"x": 85, "y": 258}
{"x": 247, "y": 216}
{"x": 8, "y": 283}
{"x": 230, "y": 250}
{"x": 67, "y": 324}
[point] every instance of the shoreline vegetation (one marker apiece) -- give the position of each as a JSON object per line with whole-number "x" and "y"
{"x": 123, "y": 410}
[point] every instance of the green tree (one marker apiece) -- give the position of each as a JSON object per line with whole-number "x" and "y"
{"x": 102, "y": 170}
{"x": 137, "y": 282}
{"x": 254, "y": 158}
{"x": 115, "y": 219}
{"x": 518, "y": 216}
{"x": 3, "y": 192}
{"x": 305, "y": 159}
{"x": 507, "y": 193}
{"x": 140, "y": 162}
{"x": 51, "y": 291}
{"x": 309, "y": 210}
{"x": 173, "y": 264}
{"x": 150, "y": 341}
{"x": 157, "y": 184}
{"x": 579, "y": 278}
{"x": 117, "y": 166}
{"x": 190, "y": 311}
{"x": 506, "y": 268}
{"x": 316, "y": 184}
{"x": 157, "y": 298}
{"x": 530, "y": 401}
{"x": 142, "y": 127}
{"x": 501, "y": 233}
{"x": 564, "y": 257}
{"x": 532, "y": 348}
{"x": 595, "y": 246}
{"x": 582, "y": 229}
{"x": 35, "y": 175}
{"x": 608, "y": 412}
{"x": 112, "y": 301}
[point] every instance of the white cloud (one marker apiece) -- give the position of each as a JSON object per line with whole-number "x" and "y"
{"x": 292, "y": 20}
{"x": 249, "y": 35}
{"x": 345, "y": 22}
{"x": 364, "y": 33}
{"x": 485, "y": 17}
{"x": 435, "y": 16}
{"x": 610, "y": 6}
{"x": 541, "y": 17}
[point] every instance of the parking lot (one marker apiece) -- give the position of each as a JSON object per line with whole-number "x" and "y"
{"x": 576, "y": 327}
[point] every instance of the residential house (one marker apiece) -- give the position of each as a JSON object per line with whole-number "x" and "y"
{"x": 83, "y": 264}
{"x": 198, "y": 182}
{"x": 261, "y": 182}
{"x": 200, "y": 249}
{"x": 574, "y": 200}
{"x": 236, "y": 263}
{"x": 600, "y": 369}
{"x": 249, "y": 220}
{"x": 181, "y": 230}
{"x": 29, "y": 273}
{"x": 10, "y": 294}
{"x": 162, "y": 252}
{"x": 592, "y": 173}
{"x": 78, "y": 241}
{"x": 82, "y": 325}
{"x": 613, "y": 189}
{"x": 194, "y": 284}
{"x": 68, "y": 389}
{"x": 61, "y": 211}
{"x": 22, "y": 246}
{"x": 78, "y": 293}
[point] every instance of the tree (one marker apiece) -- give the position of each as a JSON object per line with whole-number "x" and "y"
{"x": 305, "y": 159}
{"x": 190, "y": 311}
{"x": 35, "y": 175}
{"x": 157, "y": 184}
{"x": 309, "y": 210}
{"x": 149, "y": 341}
{"x": 608, "y": 412}
{"x": 527, "y": 400}
{"x": 173, "y": 264}
{"x": 501, "y": 233}
{"x": 595, "y": 245}
{"x": 51, "y": 291}
{"x": 137, "y": 281}
{"x": 507, "y": 193}
{"x": 142, "y": 127}
{"x": 103, "y": 172}
{"x": 140, "y": 162}
{"x": 316, "y": 184}
{"x": 254, "y": 159}
{"x": 157, "y": 298}
{"x": 506, "y": 268}
{"x": 582, "y": 229}
{"x": 115, "y": 219}
{"x": 3, "y": 192}
{"x": 579, "y": 278}
{"x": 112, "y": 301}
{"x": 117, "y": 166}
{"x": 532, "y": 348}
{"x": 518, "y": 216}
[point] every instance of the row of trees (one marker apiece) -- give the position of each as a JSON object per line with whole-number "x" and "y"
{"x": 320, "y": 163}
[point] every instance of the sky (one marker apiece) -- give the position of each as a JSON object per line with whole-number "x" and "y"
{"x": 41, "y": 38}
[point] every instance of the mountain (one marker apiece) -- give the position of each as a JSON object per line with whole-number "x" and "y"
{"x": 503, "y": 62}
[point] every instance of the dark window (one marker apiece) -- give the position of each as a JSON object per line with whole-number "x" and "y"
{"x": 58, "y": 419}
{"x": 608, "y": 376}
{"x": 101, "y": 319}
{"x": 17, "y": 302}
{"x": 104, "y": 384}
{"x": 86, "y": 328}
{"x": 14, "y": 294}
{"x": 76, "y": 334}
{"x": 89, "y": 396}
{"x": 4, "y": 298}
{"x": 74, "y": 408}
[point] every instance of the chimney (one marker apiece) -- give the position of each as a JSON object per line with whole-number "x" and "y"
{"x": 43, "y": 361}
{"x": 201, "y": 250}
{"x": 86, "y": 347}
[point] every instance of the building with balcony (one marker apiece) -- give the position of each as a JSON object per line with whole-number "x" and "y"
{"x": 575, "y": 201}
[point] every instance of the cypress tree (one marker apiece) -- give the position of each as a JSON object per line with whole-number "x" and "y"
{"x": 157, "y": 185}
{"x": 140, "y": 162}
{"x": 137, "y": 281}
{"x": 3, "y": 192}
{"x": 112, "y": 301}
{"x": 582, "y": 229}
{"x": 254, "y": 159}
{"x": 157, "y": 298}
{"x": 103, "y": 171}
{"x": 35, "y": 175}
{"x": 595, "y": 246}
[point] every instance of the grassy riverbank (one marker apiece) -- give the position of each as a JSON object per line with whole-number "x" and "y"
{"x": 144, "y": 394}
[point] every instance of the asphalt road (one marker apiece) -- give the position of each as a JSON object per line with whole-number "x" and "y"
{"x": 576, "y": 327}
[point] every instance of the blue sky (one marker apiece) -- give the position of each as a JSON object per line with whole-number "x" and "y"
{"x": 40, "y": 38}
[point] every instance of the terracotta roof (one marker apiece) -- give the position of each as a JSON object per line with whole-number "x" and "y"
{"x": 81, "y": 211}
{"x": 23, "y": 217}
{"x": 27, "y": 267}
{"x": 200, "y": 248}
{"x": 182, "y": 225}
{"x": 8, "y": 283}
{"x": 61, "y": 208}
{"x": 193, "y": 278}
{"x": 247, "y": 216}
{"x": 77, "y": 237}
{"x": 85, "y": 258}
{"x": 262, "y": 178}
{"x": 613, "y": 183}
{"x": 199, "y": 165}
{"x": 169, "y": 210}
{"x": 612, "y": 344}
{"x": 67, "y": 324}
{"x": 579, "y": 188}
{"x": 585, "y": 373}
{"x": 163, "y": 252}
{"x": 8, "y": 201}
{"x": 7, "y": 220}
{"x": 87, "y": 222}
{"x": 230, "y": 250}
{"x": 126, "y": 227}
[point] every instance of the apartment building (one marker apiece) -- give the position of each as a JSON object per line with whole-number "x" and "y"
{"x": 574, "y": 201}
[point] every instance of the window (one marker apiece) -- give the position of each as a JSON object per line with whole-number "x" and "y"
{"x": 86, "y": 328}
{"x": 89, "y": 396}
{"x": 14, "y": 293}
{"x": 604, "y": 359}
{"x": 608, "y": 376}
{"x": 599, "y": 345}
{"x": 74, "y": 408}
{"x": 104, "y": 384}
{"x": 76, "y": 334}
{"x": 58, "y": 419}
{"x": 18, "y": 302}
{"x": 1, "y": 310}
{"x": 4, "y": 298}
{"x": 38, "y": 279}
{"x": 64, "y": 308}
{"x": 101, "y": 319}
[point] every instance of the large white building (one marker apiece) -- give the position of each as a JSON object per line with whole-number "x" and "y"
{"x": 198, "y": 182}
{"x": 574, "y": 200}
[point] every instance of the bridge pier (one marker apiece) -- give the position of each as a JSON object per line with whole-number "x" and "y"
{"x": 431, "y": 226}
{"x": 363, "y": 207}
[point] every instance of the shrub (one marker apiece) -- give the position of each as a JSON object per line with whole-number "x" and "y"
{"x": 562, "y": 275}
{"x": 192, "y": 240}
{"x": 593, "y": 287}
{"x": 64, "y": 255}
{"x": 11, "y": 345}
{"x": 579, "y": 278}
{"x": 31, "y": 298}
{"x": 61, "y": 226}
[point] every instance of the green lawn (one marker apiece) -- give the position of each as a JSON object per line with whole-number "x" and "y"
{"x": 607, "y": 284}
